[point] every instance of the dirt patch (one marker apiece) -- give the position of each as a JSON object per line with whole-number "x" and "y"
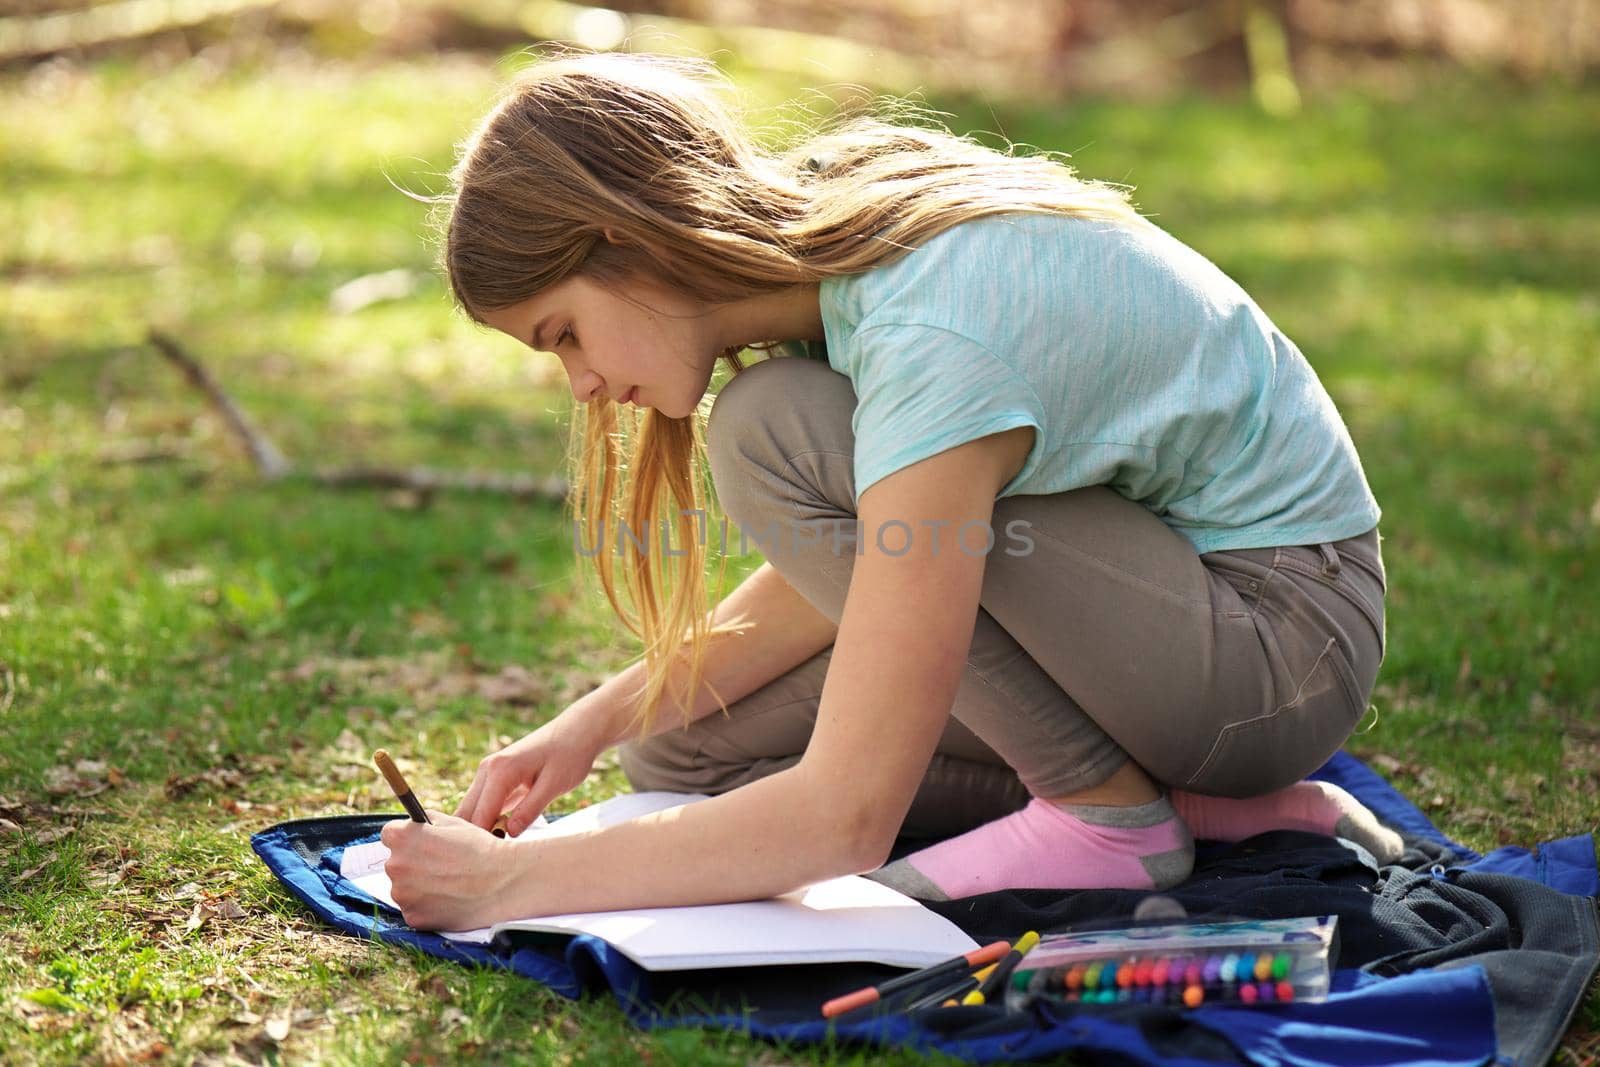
{"x": 430, "y": 680}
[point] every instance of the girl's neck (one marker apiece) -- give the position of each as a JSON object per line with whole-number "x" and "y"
{"x": 792, "y": 314}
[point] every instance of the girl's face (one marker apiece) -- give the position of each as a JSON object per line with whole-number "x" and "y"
{"x": 636, "y": 337}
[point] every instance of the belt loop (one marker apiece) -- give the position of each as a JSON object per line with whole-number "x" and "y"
{"x": 1330, "y": 559}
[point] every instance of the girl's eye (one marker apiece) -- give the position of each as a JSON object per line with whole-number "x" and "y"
{"x": 566, "y": 334}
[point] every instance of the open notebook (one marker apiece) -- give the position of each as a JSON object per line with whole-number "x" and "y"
{"x": 843, "y": 919}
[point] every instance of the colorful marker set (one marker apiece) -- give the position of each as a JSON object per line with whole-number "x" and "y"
{"x": 1187, "y": 981}
{"x": 1240, "y": 961}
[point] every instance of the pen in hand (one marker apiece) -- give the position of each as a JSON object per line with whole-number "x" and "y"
{"x": 397, "y": 782}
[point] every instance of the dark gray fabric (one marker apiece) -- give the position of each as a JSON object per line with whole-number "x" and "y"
{"x": 1538, "y": 947}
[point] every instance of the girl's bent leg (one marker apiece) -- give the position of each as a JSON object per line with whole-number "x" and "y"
{"x": 781, "y": 452}
{"x": 1044, "y": 844}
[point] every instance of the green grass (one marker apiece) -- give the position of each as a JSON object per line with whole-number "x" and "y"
{"x": 227, "y": 653}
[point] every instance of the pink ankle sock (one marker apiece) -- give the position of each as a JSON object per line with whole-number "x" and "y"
{"x": 1052, "y": 846}
{"x": 1320, "y": 807}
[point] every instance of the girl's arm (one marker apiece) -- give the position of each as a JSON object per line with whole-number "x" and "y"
{"x": 784, "y": 631}
{"x": 902, "y": 644}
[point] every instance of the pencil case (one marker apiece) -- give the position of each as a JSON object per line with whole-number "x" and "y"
{"x": 1184, "y": 965}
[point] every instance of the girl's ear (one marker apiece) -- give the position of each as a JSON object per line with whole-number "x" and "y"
{"x": 632, "y": 250}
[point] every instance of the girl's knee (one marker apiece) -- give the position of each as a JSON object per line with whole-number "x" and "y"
{"x": 767, "y": 415}
{"x": 661, "y": 762}
{"x": 745, "y": 400}
{"x": 678, "y": 761}
{"x": 772, "y": 396}
{"x": 732, "y": 430}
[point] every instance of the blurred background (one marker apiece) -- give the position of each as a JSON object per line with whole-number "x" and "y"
{"x": 1048, "y": 47}
{"x": 197, "y": 640}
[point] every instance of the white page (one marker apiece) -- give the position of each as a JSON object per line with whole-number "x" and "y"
{"x": 842, "y": 919}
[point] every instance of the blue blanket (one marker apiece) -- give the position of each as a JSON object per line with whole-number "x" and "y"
{"x": 1447, "y": 957}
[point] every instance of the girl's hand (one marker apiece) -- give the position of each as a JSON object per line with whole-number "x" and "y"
{"x": 450, "y": 875}
{"x": 530, "y": 773}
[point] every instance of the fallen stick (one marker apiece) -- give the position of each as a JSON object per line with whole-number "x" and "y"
{"x": 430, "y": 479}
{"x": 274, "y": 465}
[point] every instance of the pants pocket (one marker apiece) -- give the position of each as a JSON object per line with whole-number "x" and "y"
{"x": 1246, "y": 572}
{"x": 1351, "y": 582}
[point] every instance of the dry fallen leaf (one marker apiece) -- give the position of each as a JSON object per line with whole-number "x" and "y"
{"x": 277, "y": 1027}
{"x": 349, "y": 747}
{"x": 54, "y": 833}
{"x": 9, "y": 827}
{"x": 227, "y": 908}
{"x": 85, "y": 778}
{"x": 60, "y": 781}
{"x": 514, "y": 685}
{"x": 1386, "y": 763}
{"x": 154, "y": 1051}
{"x": 224, "y": 778}
{"x": 31, "y": 871}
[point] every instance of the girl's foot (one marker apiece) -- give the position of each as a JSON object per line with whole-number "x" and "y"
{"x": 1320, "y": 807}
{"x": 1048, "y": 845}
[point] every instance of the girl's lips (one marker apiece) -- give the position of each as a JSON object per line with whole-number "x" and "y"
{"x": 630, "y": 395}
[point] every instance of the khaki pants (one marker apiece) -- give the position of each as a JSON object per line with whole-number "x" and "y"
{"x": 1229, "y": 673}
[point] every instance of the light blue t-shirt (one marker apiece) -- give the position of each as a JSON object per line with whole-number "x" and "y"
{"x": 1138, "y": 363}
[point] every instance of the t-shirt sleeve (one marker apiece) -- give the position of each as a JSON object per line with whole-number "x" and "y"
{"x": 922, "y": 390}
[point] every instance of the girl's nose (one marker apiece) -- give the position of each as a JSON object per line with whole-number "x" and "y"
{"x": 586, "y": 386}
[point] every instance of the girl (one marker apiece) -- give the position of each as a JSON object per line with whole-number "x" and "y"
{"x": 1066, "y": 546}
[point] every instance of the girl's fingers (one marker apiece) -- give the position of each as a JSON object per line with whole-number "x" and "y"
{"x": 537, "y": 799}
{"x": 513, "y": 798}
{"x": 491, "y": 802}
{"x": 469, "y": 803}
{"x": 506, "y": 785}
{"x": 498, "y": 785}
{"x": 481, "y": 805}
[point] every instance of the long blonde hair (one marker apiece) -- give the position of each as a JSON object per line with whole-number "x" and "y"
{"x": 621, "y": 166}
